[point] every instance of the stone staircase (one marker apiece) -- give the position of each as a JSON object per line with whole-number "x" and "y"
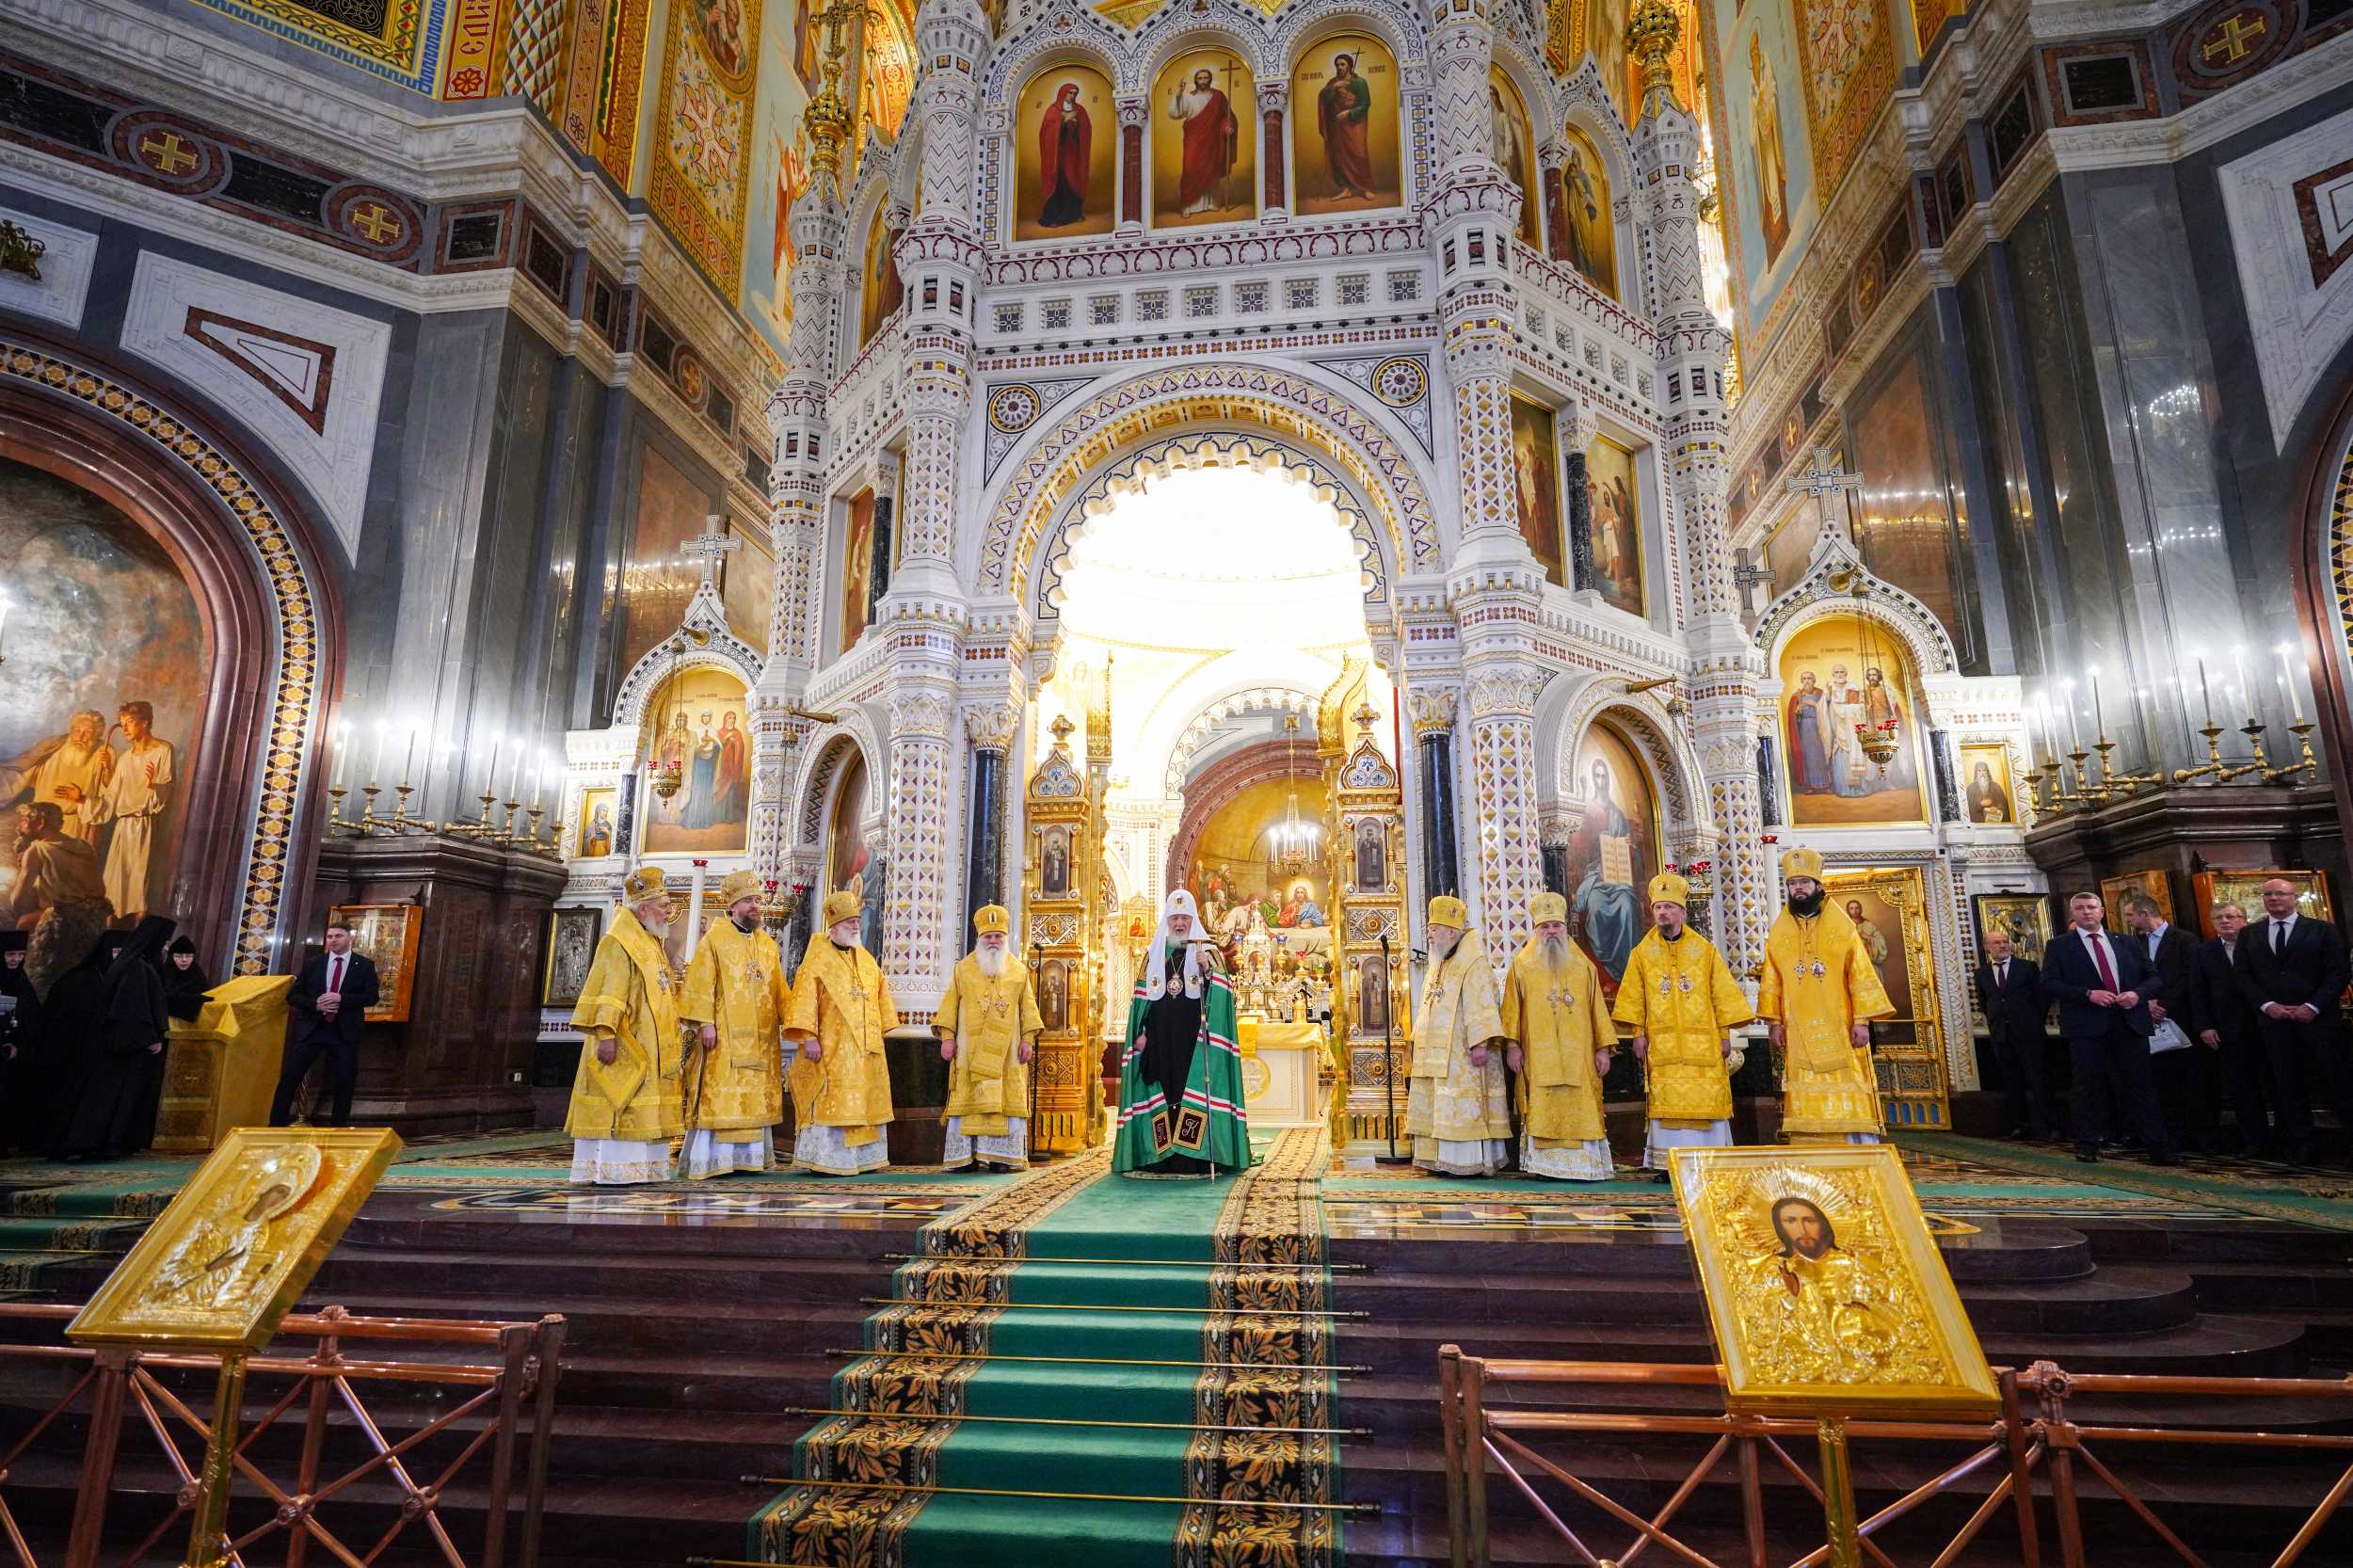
{"x": 689, "y": 1345}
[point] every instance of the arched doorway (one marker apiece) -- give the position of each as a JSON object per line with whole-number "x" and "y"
{"x": 171, "y": 511}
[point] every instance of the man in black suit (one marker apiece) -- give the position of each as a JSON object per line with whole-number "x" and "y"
{"x": 2190, "y": 1091}
{"x": 329, "y": 999}
{"x": 2015, "y": 1011}
{"x": 2223, "y": 1023}
{"x": 2097, "y": 981}
{"x": 2292, "y": 969}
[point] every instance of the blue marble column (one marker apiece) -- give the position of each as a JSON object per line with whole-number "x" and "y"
{"x": 985, "y": 852}
{"x": 1441, "y": 869}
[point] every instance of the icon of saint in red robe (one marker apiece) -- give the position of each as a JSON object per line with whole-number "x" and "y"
{"x": 1210, "y": 136}
{"x": 1065, "y": 138}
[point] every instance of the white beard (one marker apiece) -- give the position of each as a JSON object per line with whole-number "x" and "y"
{"x": 849, "y": 941}
{"x": 992, "y": 962}
{"x": 655, "y": 928}
{"x": 1556, "y": 950}
{"x": 1441, "y": 946}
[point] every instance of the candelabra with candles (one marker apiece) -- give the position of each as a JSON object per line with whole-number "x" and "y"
{"x": 2214, "y": 767}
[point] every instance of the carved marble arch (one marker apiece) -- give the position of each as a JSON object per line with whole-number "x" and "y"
{"x": 1668, "y": 757}
{"x": 253, "y": 562}
{"x": 828, "y": 752}
{"x": 1299, "y": 26}
{"x": 1240, "y": 702}
{"x": 721, "y": 649}
{"x": 1827, "y": 593}
{"x": 1277, "y": 400}
{"x": 1126, "y": 474}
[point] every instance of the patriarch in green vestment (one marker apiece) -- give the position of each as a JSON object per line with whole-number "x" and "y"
{"x": 1181, "y": 1094}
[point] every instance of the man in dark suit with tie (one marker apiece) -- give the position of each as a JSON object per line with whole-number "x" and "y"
{"x": 2097, "y": 981}
{"x": 329, "y": 999}
{"x": 2011, "y": 991}
{"x": 2223, "y": 1023}
{"x": 2293, "y": 968}
{"x": 2190, "y": 1091}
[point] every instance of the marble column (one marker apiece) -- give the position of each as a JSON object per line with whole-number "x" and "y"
{"x": 1273, "y": 166}
{"x": 1134, "y": 113}
{"x": 1433, "y": 741}
{"x": 990, "y": 731}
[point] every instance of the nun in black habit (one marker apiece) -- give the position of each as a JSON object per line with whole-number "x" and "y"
{"x": 121, "y": 1023}
{"x": 185, "y": 981}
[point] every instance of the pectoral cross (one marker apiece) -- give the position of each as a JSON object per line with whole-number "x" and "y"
{"x": 751, "y": 971}
{"x": 1435, "y": 995}
{"x": 995, "y": 1004}
{"x": 1561, "y": 996}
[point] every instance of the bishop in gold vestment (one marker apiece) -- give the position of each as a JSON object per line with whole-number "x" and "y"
{"x": 1456, "y": 1110}
{"x": 1561, "y": 1039}
{"x": 625, "y": 1105}
{"x": 988, "y": 1025}
{"x": 840, "y": 1010}
{"x": 1819, "y": 989}
{"x": 1680, "y": 999}
{"x": 736, "y": 996}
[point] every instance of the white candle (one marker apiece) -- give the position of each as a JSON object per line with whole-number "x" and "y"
{"x": 342, "y": 739}
{"x": 375, "y": 769}
{"x": 2287, "y": 685}
{"x": 2075, "y": 740}
{"x": 408, "y": 762}
{"x": 490, "y": 780}
{"x": 2238, "y": 668}
{"x": 515, "y": 772}
{"x": 2099, "y": 720}
{"x": 2205, "y": 698}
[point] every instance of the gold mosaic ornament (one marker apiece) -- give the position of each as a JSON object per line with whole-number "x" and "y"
{"x": 1825, "y": 1291}
{"x": 231, "y": 1255}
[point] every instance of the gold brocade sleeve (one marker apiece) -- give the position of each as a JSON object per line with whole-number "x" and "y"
{"x": 1768, "y": 987}
{"x": 887, "y": 1019}
{"x": 1731, "y": 1006}
{"x": 1033, "y": 1022}
{"x": 698, "y": 1003}
{"x": 1481, "y": 1018}
{"x": 951, "y": 1003}
{"x": 1513, "y": 1017}
{"x": 1634, "y": 990}
{"x": 605, "y": 1006}
{"x": 807, "y": 995}
{"x": 1864, "y": 986}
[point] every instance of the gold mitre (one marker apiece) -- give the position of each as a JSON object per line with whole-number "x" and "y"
{"x": 991, "y": 918}
{"x": 1446, "y": 909}
{"x": 1667, "y": 888}
{"x": 841, "y": 905}
{"x": 642, "y": 886}
{"x": 1802, "y": 862}
{"x": 1547, "y": 910}
{"x": 736, "y": 886}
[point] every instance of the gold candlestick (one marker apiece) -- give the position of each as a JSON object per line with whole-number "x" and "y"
{"x": 335, "y": 815}
{"x": 536, "y": 812}
{"x": 2254, "y": 733}
{"x": 367, "y": 817}
{"x": 2213, "y": 764}
{"x": 2306, "y": 763}
{"x": 482, "y": 826}
{"x": 2111, "y": 780}
{"x": 401, "y": 822}
{"x": 507, "y": 835}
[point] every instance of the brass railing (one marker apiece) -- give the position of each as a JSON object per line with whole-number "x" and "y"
{"x": 510, "y": 1403}
{"x": 2033, "y": 1435}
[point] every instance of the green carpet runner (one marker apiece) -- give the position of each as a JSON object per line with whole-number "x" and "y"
{"x": 1218, "y": 1286}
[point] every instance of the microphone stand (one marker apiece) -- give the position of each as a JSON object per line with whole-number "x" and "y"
{"x": 1388, "y": 1061}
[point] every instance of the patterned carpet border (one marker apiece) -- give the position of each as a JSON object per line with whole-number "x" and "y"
{"x": 2325, "y": 1209}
